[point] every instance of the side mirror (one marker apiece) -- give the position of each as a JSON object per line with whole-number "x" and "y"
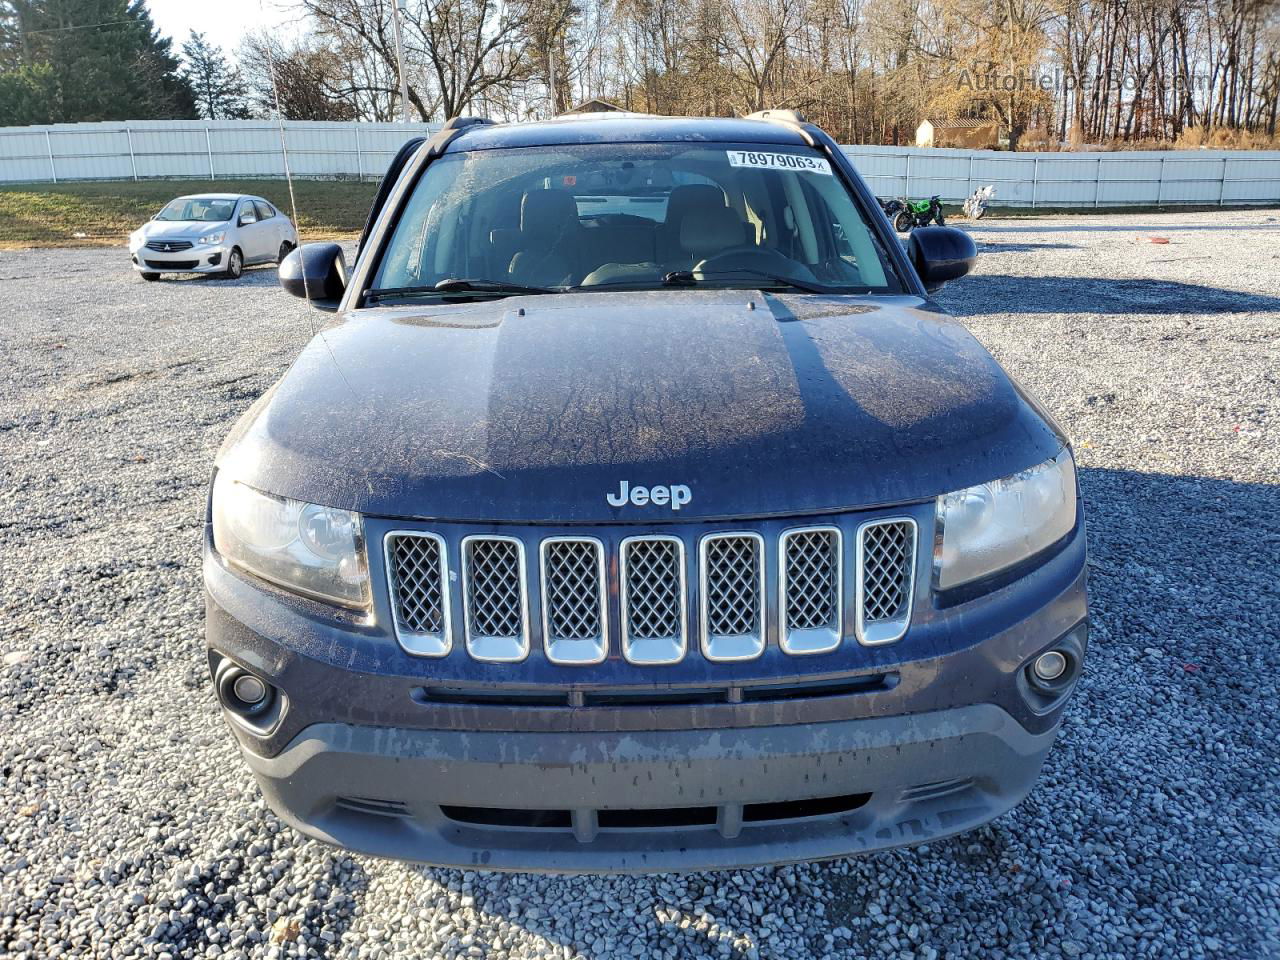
{"x": 316, "y": 272}
{"x": 940, "y": 255}
{"x": 247, "y": 218}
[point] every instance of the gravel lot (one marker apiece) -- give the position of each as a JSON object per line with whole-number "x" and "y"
{"x": 131, "y": 827}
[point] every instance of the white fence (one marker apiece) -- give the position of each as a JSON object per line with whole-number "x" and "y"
{"x": 199, "y": 149}
{"x": 1127, "y": 177}
{"x": 229, "y": 149}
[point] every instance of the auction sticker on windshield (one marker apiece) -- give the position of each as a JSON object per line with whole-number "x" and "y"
{"x": 778, "y": 161}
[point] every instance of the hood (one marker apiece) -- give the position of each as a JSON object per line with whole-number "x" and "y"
{"x": 181, "y": 229}
{"x": 539, "y": 408}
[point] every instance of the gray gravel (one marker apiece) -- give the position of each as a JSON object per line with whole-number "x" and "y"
{"x": 130, "y": 826}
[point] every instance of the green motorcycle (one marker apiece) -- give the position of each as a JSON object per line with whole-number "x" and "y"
{"x": 918, "y": 213}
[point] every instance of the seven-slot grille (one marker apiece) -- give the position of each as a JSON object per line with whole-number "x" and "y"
{"x": 811, "y": 590}
{"x": 886, "y": 561}
{"x": 732, "y": 596}
{"x": 573, "y": 600}
{"x": 652, "y": 593}
{"x": 652, "y": 596}
{"x": 418, "y": 581}
{"x": 493, "y": 580}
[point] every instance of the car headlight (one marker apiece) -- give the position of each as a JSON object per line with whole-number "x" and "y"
{"x": 136, "y": 239}
{"x": 995, "y": 525}
{"x": 313, "y": 550}
{"x": 211, "y": 238}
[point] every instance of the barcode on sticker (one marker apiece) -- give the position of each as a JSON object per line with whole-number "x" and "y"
{"x": 778, "y": 161}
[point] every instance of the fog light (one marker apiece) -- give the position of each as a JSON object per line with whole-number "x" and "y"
{"x": 250, "y": 690}
{"x": 1050, "y": 666}
{"x": 242, "y": 692}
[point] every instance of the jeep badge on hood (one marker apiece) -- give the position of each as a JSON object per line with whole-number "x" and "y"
{"x": 674, "y": 496}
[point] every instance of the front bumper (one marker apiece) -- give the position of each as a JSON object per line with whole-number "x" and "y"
{"x": 199, "y": 259}
{"x": 652, "y": 800}
{"x": 916, "y": 740}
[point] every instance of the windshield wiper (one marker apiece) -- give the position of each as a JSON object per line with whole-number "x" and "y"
{"x": 687, "y": 277}
{"x": 500, "y": 288}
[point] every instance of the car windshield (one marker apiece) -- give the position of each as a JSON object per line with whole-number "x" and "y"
{"x": 195, "y": 208}
{"x": 631, "y": 216}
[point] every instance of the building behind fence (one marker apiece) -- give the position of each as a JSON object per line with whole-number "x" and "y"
{"x": 248, "y": 149}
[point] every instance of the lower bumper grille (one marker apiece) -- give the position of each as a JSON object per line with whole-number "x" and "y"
{"x": 173, "y": 264}
{"x": 728, "y": 819}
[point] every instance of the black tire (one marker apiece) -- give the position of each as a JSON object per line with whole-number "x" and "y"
{"x": 941, "y": 222}
{"x": 235, "y": 265}
{"x": 151, "y": 277}
{"x": 286, "y": 248}
{"x": 902, "y": 222}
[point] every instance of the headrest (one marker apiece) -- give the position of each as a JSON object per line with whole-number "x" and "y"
{"x": 690, "y": 198}
{"x": 547, "y": 213}
{"x": 708, "y": 233}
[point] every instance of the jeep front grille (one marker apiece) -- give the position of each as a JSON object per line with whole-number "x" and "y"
{"x": 732, "y": 596}
{"x": 886, "y": 569}
{"x": 810, "y": 566}
{"x": 639, "y": 586}
{"x": 418, "y": 574}
{"x": 652, "y": 594}
{"x": 573, "y": 600}
{"x": 493, "y": 582}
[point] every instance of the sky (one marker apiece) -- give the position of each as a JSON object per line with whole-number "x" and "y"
{"x": 223, "y": 22}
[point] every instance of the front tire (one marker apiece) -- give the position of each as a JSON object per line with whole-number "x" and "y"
{"x": 902, "y": 222}
{"x": 151, "y": 277}
{"x": 235, "y": 264}
{"x": 941, "y": 222}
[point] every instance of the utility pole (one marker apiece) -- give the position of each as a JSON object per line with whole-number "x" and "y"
{"x": 397, "y": 9}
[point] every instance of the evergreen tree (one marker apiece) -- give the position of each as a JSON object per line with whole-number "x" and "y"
{"x": 72, "y": 60}
{"x": 218, "y": 87}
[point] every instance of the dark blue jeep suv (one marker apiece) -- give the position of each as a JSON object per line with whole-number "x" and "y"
{"x": 639, "y": 510}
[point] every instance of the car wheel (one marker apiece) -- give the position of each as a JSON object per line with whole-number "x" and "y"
{"x": 235, "y": 264}
{"x": 151, "y": 277}
{"x": 285, "y": 249}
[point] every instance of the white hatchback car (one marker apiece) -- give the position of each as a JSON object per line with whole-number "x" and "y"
{"x": 218, "y": 233}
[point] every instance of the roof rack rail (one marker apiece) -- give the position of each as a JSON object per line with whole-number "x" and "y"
{"x": 786, "y": 116}
{"x": 458, "y": 123}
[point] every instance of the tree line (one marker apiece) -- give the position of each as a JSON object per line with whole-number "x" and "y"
{"x": 1136, "y": 72}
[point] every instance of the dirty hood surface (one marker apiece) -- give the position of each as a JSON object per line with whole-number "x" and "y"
{"x": 537, "y": 408}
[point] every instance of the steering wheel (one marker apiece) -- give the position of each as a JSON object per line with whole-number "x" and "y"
{"x": 747, "y": 256}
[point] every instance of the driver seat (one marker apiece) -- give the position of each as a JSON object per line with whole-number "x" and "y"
{"x": 711, "y": 232}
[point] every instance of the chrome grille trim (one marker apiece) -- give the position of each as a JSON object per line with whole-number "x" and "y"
{"x": 169, "y": 246}
{"x": 732, "y": 595}
{"x": 575, "y": 618}
{"x": 494, "y": 599}
{"x": 653, "y": 607}
{"x": 810, "y": 590}
{"x": 886, "y": 573}
{"x": 418, "y": 579}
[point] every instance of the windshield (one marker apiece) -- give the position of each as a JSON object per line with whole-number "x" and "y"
{"x": 631, "y": 215}
{"x": 193, "y": 208}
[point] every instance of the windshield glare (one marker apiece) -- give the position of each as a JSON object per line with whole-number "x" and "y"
{"x": 205, "y": 211}
{"x": 628, "y": 215}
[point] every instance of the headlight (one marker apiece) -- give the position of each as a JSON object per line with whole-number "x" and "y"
{"x": 211, "y": 238}
{"x": 995, "y": 525}
{"x": 136, "y": 239}
{"x": 317, "y": 551}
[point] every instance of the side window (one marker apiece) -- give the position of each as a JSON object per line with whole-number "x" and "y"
{"x": 264, "y": 210}
{"x": 247, "y": 214}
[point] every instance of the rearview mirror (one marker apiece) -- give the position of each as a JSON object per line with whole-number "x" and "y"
{"x": 940, "y": 255}
{"x": 247, "y": 218}
{"x": 316, "y": 272}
